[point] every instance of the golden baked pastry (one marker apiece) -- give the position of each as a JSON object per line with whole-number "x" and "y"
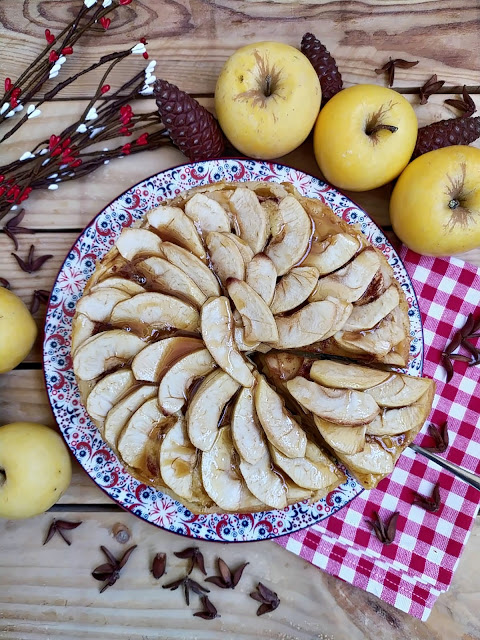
{"x": 168, "y": 338}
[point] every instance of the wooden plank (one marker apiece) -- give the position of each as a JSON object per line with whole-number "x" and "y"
{"x": 76, "y": 202}
{"x": 191, "y": 39}
{"x": 47, "y": 591}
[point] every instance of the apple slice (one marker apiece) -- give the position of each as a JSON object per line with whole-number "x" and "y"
{"x": 133, "y": 242}
{"x": 351, "y": 282}
{"x": 133, "y": 440}
{"x": 178, "y": 460}
{"x": 343, "y": 439}
{"x": 158, "y": 311}
{"x": 105, "y": 351}
{"x": 247, "y": 433}
{"x": 261, "y": 275}
{"x": 98, "y": 305}
{"x": 341, "y": 406}
{"x": 314, "y": 471}
{"x": 264, "y": 483}
{"x": 217, "y": 332}
{"x": 379, "y": 341}
{"x": 206, "y": 408}
{"x": 291, "y": 232}
{"x": 207, "y": 214}
{"x": 394, "y": 421}
{"x": 107, "y": 392}
{"x": 193, "y": 267}
{"x": 372, "y": 460}
{"x": 368, "y": 315}
{"x": 123, "y": 410}
{"x": 399, "y": 390}
{"x": 252, "y": 221}
{"x": 243, "y": 247}
{"x": 294, "y": 288}
{"x": 172, "y": 223}
{"x": 174, "y": 386}
{"x": 239, "y": 334}
{"x": 82, "y": 330}
{"x": 129, "y": 286}
{"x": 344, "y": 310}
{"x": 151, "y": 364}
{"x": 332, "y": 253}
{"x": 225, "y": 257}
{"x": 338, "y": 375}
{"x": 257, "y": 318}
{"x": 283, "y": 366}
{"x": 172, "y": 280}
{"x": 280, "y": 428}
{"x": 221, "y": 478}
{"x": 308, "y": 325}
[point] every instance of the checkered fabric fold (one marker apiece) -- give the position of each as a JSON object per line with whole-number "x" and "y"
{"x": 411, "y": 573}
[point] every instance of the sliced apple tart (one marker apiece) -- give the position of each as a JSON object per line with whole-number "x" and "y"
{"x": 169, "y": 336}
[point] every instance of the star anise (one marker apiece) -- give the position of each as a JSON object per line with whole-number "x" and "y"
{"x": 227, "y": 579}
{"x": 31, "y": 264}
{"x": 431, "y": 86}
{"x": 440, "y": 436}
{"x": 59, "y": 526}
{"x": 158, "y": 565}
{"x": 13, "y": 227}
{"x": 109, "y": 572}
{"x": 209, "y": 610}
{"x": 385, "y": 532}
{"x": 431, "y": 504}
{"x": 462, "y": 338}
{"x": 467, "y": 106}
{"x": 196, "y": 557}
{"x": 188, "y": 585}
{"x": 390, "y": 66}
{"x": 4, "y": 283}
{"x": 40, "y": 296}
{"x": 268, "y": 599}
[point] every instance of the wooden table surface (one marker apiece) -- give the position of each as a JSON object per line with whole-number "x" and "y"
{"x": 47, "y": 592}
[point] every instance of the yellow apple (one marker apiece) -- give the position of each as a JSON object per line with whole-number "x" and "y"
{"x": 364, "y": 137}
{"x": 35, "y": 469}
{"x": 17, "y": 330}
{"x": 267, "y": 99}
{"x": 435, "y": 205}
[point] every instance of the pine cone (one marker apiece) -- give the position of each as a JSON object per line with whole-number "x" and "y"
{"x": 324, "y": 64}
{"x": 190, "y": 126}
{"x": 446, "y": 133}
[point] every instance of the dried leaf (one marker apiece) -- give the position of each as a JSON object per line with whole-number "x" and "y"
{"x": 390, "y": 66}
{"x": 4, "y": 283}
{"x": 468, "y": 326}
{"x": 110, "y": 557}
{"x": 31, "y": 264}
{"x": 66, "y": 525}
{"x": 209, "y": 612}
{"x": 467, "y": 106}
{"x": 460, "y": 358}
{"x": 385, "y": 534}
{"x": 186, "y": 553}
{"x": 266, "y": 608}
{"x": 448, "y": 367}
{"x": 126, "y": 556}
{"x": 431, "y": 86}
{"x": 225, "y": 572}
{"x": 158, "y": 565}
{"x": 173, "y": 585}
{"x": 432, "y": 504}
{"x": 58, "y": 526}
{"x": 238, "y": 574}
{"x": 392, "y": 527}
{"x": 51, "y": 532}
{"x": 267, "y": 594}
{"x": 217, "y": 581}
{"x": 103, "y": 571}
{"x": 197, "y": 588}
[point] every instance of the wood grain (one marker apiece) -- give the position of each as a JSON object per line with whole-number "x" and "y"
{"x": 48, "y": 591}
{"x": 191, "y": 39}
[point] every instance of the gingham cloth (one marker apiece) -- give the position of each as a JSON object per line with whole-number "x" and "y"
{"x": 412, "y": 572}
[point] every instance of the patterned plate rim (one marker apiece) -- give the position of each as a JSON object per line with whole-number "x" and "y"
{"x": 224, "y": 530}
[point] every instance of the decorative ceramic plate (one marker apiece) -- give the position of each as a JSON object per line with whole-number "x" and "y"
{"x": 81, "y": 435}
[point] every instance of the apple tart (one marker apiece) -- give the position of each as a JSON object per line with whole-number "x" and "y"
{"x": 183, "y": 328}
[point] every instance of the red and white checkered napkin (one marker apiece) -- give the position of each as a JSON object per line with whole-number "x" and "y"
{"x": 412, "y": 572}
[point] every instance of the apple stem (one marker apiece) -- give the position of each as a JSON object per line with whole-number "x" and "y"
{"x": 453, "y": 204}
{"x": 268, "y": 86}
{"x": 380, "y": 127}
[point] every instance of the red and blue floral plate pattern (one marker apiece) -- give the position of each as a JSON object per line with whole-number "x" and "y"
{"x": 81, "y": 435}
